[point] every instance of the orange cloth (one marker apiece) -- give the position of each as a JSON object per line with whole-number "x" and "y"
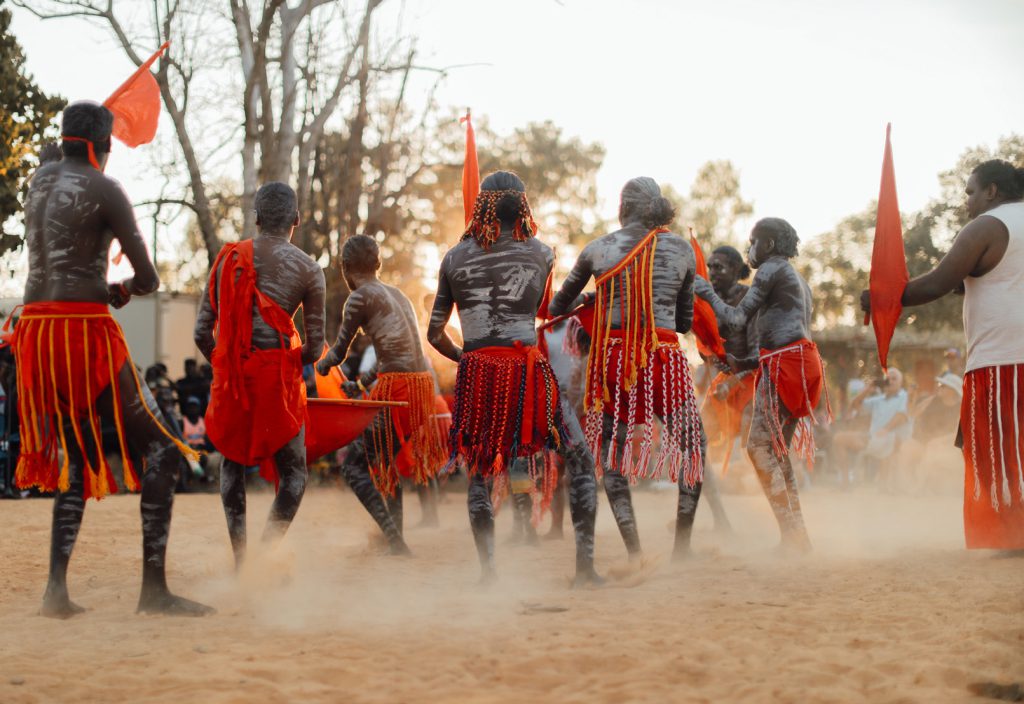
{"x": 67, "y": 354}
{"x": 470, "y": 170}
{"x": 729, "y": 411}
{"x": 889, "y": 275}
{"x": 798, "y": 379}
{"x": 413, "y": 428}
{"x": 136, "y": 105}
{"x": 705, "y": 324}
{"x": 258, "y": 398}
{"x": 990, "y": 419}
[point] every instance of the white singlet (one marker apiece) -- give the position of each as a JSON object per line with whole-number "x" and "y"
{"x": 994, "y": 302}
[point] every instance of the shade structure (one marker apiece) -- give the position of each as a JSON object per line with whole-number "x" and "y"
{"x": 334, "y": 423}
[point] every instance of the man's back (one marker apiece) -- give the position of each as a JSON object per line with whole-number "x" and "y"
{"x": 72, "y": 212}
{"x": 388, "y": 319}
{"x": 497, "y": 290}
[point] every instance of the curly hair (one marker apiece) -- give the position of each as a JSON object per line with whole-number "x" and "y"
{"x": 501, "y": 202}
{"x": 786, "y": 240}
{"x": 1008, "y": 179}
{"x": 642, "y": 196}
{"x": 361, "y": 254}
{"x": 733, "y": 255}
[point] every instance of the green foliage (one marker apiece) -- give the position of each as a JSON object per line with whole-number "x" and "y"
{"x": 714, "y": 205}
{"x": 26, "y": 122}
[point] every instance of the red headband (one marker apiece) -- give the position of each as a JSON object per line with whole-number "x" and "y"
{"x": 92, "y": 150}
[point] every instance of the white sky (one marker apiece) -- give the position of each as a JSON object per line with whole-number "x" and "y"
{"x": 796, "y": 93}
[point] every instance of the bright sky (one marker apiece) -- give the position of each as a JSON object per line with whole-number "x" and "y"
{"x": 795, "y": 93}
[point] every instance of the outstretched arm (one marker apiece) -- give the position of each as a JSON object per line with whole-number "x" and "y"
{"x": 566, "y": 298}
{"x": 351, "y": 320}
{"x": 121, "y": 221}
{"x": 737, "y": 316}
{"x": 684, "y": 304}
{"x": 444, "y": 302}
{"x": 313, "y": 317}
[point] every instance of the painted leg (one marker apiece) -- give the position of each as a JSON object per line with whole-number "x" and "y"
{"x": 523, "y": 505}
{"x": 558, "y": 505}
{"x": 481, "y": 520}
{"x": 714, "y": 500}
{"x": 616, "y": 487}
{"x": 686, "y": 508}
{"x": 232, "y": 497}
{"x": 357, "y": 474}
{"x": 394, "y": 504}
{"x": 68, "y": 508}
{"x": 577, "y": 469}
{"x": 428, "y": 504}
{"x": 163, "y": 460}
{"x": 292, "y": 476}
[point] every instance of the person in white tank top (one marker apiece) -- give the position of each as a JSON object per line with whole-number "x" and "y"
{"x": 986, "y": 264}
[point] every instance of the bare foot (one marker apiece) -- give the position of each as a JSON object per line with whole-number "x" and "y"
{"x": 163, "y": 602}
{"x": 56, "y": 604}
{"x": 587, "y": 578}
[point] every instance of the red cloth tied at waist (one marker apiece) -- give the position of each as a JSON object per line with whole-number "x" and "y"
{"x": 67, "y": 353}
{"x": 408, "y": 463}
{"x": 506, "y": 405}
{"x": 729, "y": 411}
{"x": 258, "y": 398}
{"x": 410, "y": 426}
{"x": 796, "y": 373}
{"x": 668, "y": 343}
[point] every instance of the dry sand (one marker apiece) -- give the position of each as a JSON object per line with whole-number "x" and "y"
{"x": 889, "y": 608}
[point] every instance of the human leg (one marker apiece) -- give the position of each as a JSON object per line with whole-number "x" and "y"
{"x": 68, "y": 508}
{"x": 292, "y": 477}
{"x": 616, "y": 487}
{"x": 686, "y": 507}
{"x": 232, "y": 497}
{"x": 356, "y": 471}
{"x": 481, "y": 520}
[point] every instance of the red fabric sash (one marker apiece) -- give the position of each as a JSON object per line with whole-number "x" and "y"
{"x": 991, "y": 415}
{"x": 797, "y": 375}
{"x": 258, "y": 398}
{"x": 68, "y": 353}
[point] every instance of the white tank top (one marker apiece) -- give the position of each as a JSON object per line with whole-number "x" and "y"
{"x": 994, "y": 302}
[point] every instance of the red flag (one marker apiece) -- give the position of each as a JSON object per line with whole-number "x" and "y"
{"x": 705, "y": 324}
{"x": 889, "y": 275}
{"x": 136, "y": 105}
{"x": 470, "y": 170}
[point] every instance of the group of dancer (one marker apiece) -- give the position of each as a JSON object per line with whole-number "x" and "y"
{"x": 510, "y": 418}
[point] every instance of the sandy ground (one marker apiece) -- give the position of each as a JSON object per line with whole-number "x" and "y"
{"x": 889, "y": 608}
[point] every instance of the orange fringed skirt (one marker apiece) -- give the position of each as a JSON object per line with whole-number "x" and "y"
{"x": 991, "y": 416}
{"x": 796, "y": 375}
{"x": 421, "y": 451}
{"x": 67, "y": 354}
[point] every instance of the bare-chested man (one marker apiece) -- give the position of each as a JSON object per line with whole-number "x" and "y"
{"x": 790, "y": 376}
{"x": 732, "y": 392}
{"x": 73, "y": 363}
{"x": 257, "y": 410}
{"x": 986, "y": 263}
{"x": 507, "y": 404}
{"x": 401, "y": 373}
{"x": 636, "y": 370}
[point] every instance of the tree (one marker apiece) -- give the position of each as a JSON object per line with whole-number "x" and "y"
{"x": 26, "y": 123}
{"x": 714, "y": 205}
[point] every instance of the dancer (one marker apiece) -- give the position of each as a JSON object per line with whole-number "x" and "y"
{"x": 636, "y": 369}
{"x": 790, "y": 376}
{"x": 986, "y": 263}
{"x": 507, "y": 404}
{"x": 73, "y": 363}
{"x": 401, "y": 373}
{"x": 257, "y": 410}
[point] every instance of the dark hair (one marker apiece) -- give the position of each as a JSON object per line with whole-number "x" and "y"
{"x": 733, "y": 255}
{"x": 1008, "y": 179}
{"x": 276, "y": 206}
{"x": 782, "y": 232}
{"x": 509, "y": 208}
{"x": 86, "y": 120}
{"x": 361, "y": 254}
{"x": 642, "y": 196}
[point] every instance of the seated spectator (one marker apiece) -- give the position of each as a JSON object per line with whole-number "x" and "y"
{"x": 193, "y": 425}
{"x": 928, "y": 461}
{"x": 191, "y": 385}
{"x": 885, "y": 402}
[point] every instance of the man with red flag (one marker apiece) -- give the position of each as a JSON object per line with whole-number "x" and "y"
{"x": 401, "y": 373}
{"x": 790, "y": 377}
{"x": 986, "y": 263}
{"x": 257, "y": 412}
{"x": 507, "y": 404}
{"x": 73, "y": 363}
{"x": 637, "y": 370}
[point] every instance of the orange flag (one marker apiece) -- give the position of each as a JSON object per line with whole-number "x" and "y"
{"x": 705, "y": 324}
{"x": 889, "y": 275}
{"x": 470, "y": 170}
{"x": 136, "y": 105}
